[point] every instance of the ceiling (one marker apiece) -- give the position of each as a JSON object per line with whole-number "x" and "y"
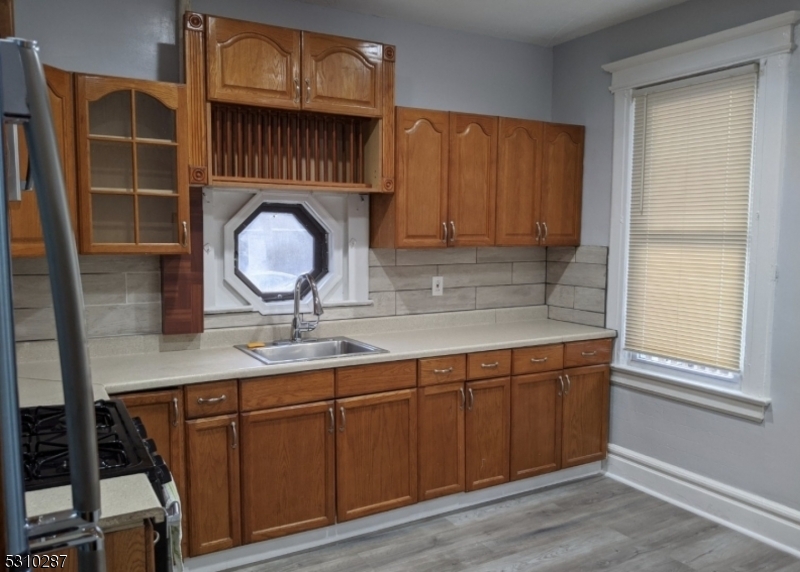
{"x": 540, "y": 22}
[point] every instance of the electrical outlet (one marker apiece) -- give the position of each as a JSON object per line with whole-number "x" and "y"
{"x": 437, "y": 288}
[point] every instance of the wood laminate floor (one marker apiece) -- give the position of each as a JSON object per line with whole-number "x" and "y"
{"x": 592, "y": 525}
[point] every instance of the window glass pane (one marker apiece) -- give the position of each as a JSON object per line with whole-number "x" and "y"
{"x": 112, "y": 219}
{"x": 273, "y": 250}
{"x": 158, "y": 219}
{"x": 111, "y": 115}
{"x": 156, "y": 165}
{"x": 154, "y": 120}
{"x": 112, "y": 165}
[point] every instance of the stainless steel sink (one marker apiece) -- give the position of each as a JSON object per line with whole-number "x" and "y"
{"x": 286, "y": 351}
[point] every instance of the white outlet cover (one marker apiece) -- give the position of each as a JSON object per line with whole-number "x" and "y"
{"x": 437, "y": 286}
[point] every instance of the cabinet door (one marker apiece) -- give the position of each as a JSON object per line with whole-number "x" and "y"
{"x": 535, "y": 424}
{"x": 342, "y": 75}
{"x": 253, "y": 63}
{"x": 421, "y": 173}
{"x": 213, "y": 484}
{"x": 562, "y": 185}
{"x": 287, "y": 470}
{"x": 519, "y": 181}
{"x": 441, "y": 440}
{"x": 132, "y": 166}
{"x": 26, "y": 228}
{"x": 585, "y": 422}
{"x": 487, "y": 432}
{"x": 473, "y": 179}
{"x": 376, "y": 453}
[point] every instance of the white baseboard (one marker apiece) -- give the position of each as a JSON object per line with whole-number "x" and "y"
{"x": 765, "y": 520}
{"x": 262, "y": 551}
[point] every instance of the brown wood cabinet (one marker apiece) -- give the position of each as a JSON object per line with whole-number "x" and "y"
{"x": 585, "y": 417}
{"x": 376, "y": 453}
{"x": 441, "y": 440}
{"x": 536, "y": 402}
{"x": 25, "y": 225}
{"x": 487, "y": 432}
{"x": 214, "y": 501}
{"x": 132, "y": 166}
{"x": 287, "y": 470}
{"x": 562, "y": 185}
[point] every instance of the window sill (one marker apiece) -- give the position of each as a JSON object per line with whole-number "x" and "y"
{"x": 721, "y": 400}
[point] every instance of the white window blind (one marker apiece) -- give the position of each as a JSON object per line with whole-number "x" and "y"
{"x": 689, "y": 222}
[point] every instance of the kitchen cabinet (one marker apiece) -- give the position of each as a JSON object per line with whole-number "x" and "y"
{"x": 213, "y": 488}
{"x": 376, "y": 453}
{"x": 585, "y": 416}
{"x": 132, "y": 166}
{"x": 562, "y": 185}
{"x": 536, "y": 401}
{"x": 25, "y": 227}
{"x": 487, "y": 432}
{"x": 441, "y": 440}
{"x": 287, "y": 470}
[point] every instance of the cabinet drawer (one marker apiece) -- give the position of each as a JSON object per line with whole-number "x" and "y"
{"x": 363, "y": 379}
{"x": 538, "y": 358}
{"x": 577, "y": 354}
{"x": 483, "y": 365}
{"x": 433, "y": 371}
{"x": 278, "y": 391}
{"x": 209, "y": 399}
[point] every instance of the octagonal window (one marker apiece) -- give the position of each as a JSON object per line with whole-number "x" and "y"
{"x": 276, "y": 244}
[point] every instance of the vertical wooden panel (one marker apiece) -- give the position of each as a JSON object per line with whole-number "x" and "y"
{"x": 194, "y": 62}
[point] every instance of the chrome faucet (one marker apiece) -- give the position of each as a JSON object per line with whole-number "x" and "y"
{"x": 298, "y": 325}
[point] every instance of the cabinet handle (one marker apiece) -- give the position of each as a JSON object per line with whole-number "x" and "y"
{"x": 561, "y": 381}
{"x": 453, "y": 229}
{"x": 235, "y": 435}
{"x": 490, "y": 365}
{"x": 185, "y": 234}
{"x": 538, "y": 231}
{"x": 443, "y": 371}
{"x": 344, "y": 420}
{"x": 308, "y": 90}
{"x": 589, "y": 354}
{"x": 212, "y": 400}
{"x": 569, "y": 385}
{"x": 444, "y": 234}
{"x": 544, "y": 238}
{"x": 463, "y": 399}
{"x": 297, "y": 90}
{"x": 539, "y": 360}
{"x": 175, "y": 411}
{"x": 471, "y": 399}
{"x": 333, "y": 420}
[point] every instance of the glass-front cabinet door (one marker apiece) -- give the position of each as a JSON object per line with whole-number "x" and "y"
{"x": 133, "y": 168}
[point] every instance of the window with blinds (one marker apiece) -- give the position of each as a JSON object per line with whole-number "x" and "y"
{"x": 689, "y": 220}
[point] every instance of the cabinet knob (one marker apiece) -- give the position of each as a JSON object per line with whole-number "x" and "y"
{"x": 538, "y": 231}
{"x": 297, "y": 90}
{"x": 544, "y": 238}
{"x": 235, "y": 435}
{"x": 308, "y": 90}
{"x": 453, "y": 233}
{"x": 444, "y": 232}
{"x": 443, "y": 371}
{"x": 561, "y": 381}
{"x": 539, "y": 360}
{"x": 463, "y": 399}
{"x": 212, "y": 400}
{"x": 471, "y": 399}
{"x": 175, "y": 413}
{"x": 344, "y": 420}
{"x": 569, "y": 385}
{"x": 490, "y": 365}
{"x": 333, "y": 421}
{"x": 185, "y": 239}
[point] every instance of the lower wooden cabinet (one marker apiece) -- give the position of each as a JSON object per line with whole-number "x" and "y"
{"x": 214, "y": 502}
{"x": 535, "y": 424}
{"x": 488, "y": 422}
{"x": 441, "y": 440}
{"x": 585, "y": 417}
{"x": 376, "y": 453}
{"x": 287, "y": 470}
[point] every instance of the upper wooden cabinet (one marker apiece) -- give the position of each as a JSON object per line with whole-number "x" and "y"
{"x": 132, "y": 166}
{"x": 562, "y": 185}
{"x": 26, "y": 227}
{"x": 253, "y": 63}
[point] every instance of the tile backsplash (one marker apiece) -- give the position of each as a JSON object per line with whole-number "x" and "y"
{"x": 576, "y": 284}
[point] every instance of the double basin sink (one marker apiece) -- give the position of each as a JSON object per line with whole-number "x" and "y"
{"x": 287, "y": 351}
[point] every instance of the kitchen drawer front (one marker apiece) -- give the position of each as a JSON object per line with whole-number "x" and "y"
{"x": 483, "y": 365}
{"x": 433, "y": 371}
{"x": 282, "y": 390}
{"x": 593, "y": 352}
{"x": 538, "y": 358}
{"x": 363, "y": 379}
{"x": 210, "y": 399}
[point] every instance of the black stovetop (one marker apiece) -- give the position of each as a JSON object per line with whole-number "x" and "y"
{"x": 121, "y": 448}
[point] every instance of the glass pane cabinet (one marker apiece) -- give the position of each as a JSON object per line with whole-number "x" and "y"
{"x": 133, "y": 169}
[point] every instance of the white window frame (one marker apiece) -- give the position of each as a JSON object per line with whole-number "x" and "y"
{"x": 768, "y": 43}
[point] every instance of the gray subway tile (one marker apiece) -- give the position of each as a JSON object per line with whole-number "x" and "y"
{"x": 29, "y": 266}
{"x": 34, "y": 324}
{"x": 419, "y": 257}
{"x": 529, "y": 272}
{"x": 391, "y": 278}
{"x": 97, "y": 264}
{"x": 100, "y": 289}
{"x": 510, "y": 296}
{"x": 592, "y": 254}
{"x": 421, "y": 301}
{"x": 577, "y": 316}
{"x": 142, "y": 287}
{"x": 511, "y": 254}
{"x": 383, "y": 304}
{"x": 561, "y": 253}
{"x": 32, "y": 291}
{"x": 591, "y": 299}
{"x": 382, "y": 256}
{"x": 465, "y": 275}
{"x": 576, "y": 274}
{"x": 562, "y": 296}
{"x": 123, "y": 320}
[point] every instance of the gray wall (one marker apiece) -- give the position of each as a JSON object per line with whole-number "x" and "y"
{"x": 760, "y": 458}
{"x": 436, "y": 68}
